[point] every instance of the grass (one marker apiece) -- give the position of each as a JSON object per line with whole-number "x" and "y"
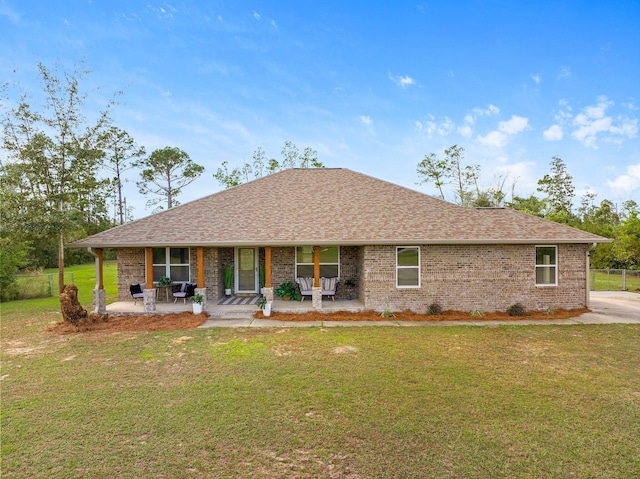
{"x": 601, "y": 281}
{"x": 516, "y": 401}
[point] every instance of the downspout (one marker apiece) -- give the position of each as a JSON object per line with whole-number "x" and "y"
{"x": 99, "y": 284}
{"x": 588, "y": 267}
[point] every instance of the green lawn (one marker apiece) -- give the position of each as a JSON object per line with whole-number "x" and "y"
{"x": 372, "y": 402}
{"x": 612, "y": 281}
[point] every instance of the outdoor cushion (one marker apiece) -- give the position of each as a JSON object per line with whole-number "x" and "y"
{"x": 329, "y": 286}
{"x": 137, "y": 291}
{"x": 306, "y": 286}
{"x": 183, "y": 290}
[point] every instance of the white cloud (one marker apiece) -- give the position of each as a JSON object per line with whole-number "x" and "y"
{"x": 553, "y": 133}
{"x": 495, "y": 138}
{"x": 565, "y": 72}
{"x": 466, "y": 129}
{"x": 499, "y": 138}
{"x": 514, "y": 125}
{"x": 403, "y": 81}
{"x": 443, "y": 127}
{"x": 365, "y": 119}
{"x": 628, "y": 182}
{"x": 9, "y": 13}
{"x": 536, "y": 78}
{"x": 274, "y": 24}
{"x": 593, "y": 124}
{"x": 256, "y": 15}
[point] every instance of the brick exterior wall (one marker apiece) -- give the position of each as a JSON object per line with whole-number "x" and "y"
{"x": 131, "y": 270}
{"x": 460, "y": 277}
{"x": 468, "y": 277}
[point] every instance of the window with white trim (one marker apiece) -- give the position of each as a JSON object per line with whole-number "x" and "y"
{"x": 173, "y": 263}
{"x": 546, "y": 265}
{"x": 329, "y": 261}
{"x": 408, "y": 267}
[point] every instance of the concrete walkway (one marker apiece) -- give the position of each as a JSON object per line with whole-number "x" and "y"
{"x": 607, "y": 307}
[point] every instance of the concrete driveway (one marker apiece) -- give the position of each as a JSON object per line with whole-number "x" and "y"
{"x": 612, "y": 307}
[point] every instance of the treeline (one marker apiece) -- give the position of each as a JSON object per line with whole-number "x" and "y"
{"x": 555, "y": 201}
{"x": 61, "y": 174}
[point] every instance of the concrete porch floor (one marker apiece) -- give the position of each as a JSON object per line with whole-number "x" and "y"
{"x": 235, "y": 311}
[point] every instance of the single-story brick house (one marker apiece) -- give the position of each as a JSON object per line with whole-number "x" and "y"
{"x": 404, "y": 249}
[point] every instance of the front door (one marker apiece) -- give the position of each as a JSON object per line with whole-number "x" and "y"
{"x": 246, "y": 270}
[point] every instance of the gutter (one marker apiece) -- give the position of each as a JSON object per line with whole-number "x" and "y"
{"x": 588, "y": 268}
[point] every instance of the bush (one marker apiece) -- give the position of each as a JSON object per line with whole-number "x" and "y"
{"x": 434, "y": 309}
{"x": 516, "y": 310}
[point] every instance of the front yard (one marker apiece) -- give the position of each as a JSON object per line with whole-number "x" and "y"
{"x": 515, "y": 401}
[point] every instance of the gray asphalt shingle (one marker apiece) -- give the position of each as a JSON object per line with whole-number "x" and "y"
{"x": 330, "y": 206}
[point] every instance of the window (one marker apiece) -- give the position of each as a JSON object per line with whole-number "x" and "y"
{"x": 329, "y": 261}
{"x": 171, "y": 262}
{"x": 408, "y": 267}
{"x": 546, "y": 265}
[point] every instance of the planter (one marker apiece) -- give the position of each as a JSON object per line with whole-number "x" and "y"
{"x": 197, "y": 308}
{"x": 286, "y": 298}
{"x": 227, "y": 292}
{"x": 267, "y": 309}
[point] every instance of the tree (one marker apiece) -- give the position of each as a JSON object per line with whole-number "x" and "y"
{"x": 13, "y": 257}
{"x": 432, "y": 169}
{"x": 531, "y": 205}
{"x": 451, "y": 170}
{"x": 54, "y": 157}
{"x": 559, "y": 192}
{"x": 169, "y": 169}
{"x": 291, "y": 158}
{"x": 120, "y": 148}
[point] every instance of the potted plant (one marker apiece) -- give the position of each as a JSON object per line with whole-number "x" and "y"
{"x": 197, "y": 300}
{"x": 350, "y": 283}
{"x": 227, "y": 272}
{"x": 287, "y": 291}
{"x": 265, "y": 306}
{"x": 164, "y": 281}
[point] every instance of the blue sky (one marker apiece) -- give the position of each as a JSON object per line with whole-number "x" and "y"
{"x": 372, "y": 86}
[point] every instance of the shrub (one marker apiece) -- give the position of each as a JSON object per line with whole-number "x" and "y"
{"x": 516, "y": 310}
{"x": 434, "y": 308}
{"x": 476, "y": 312}
{"x": 387, "y": 313}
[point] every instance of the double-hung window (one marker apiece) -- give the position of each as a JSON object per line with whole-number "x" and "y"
{"x": 408, "y": 267}
{"x": 546, "y": 265}
{"x": 329, "y": 261}
{"x": 172, "y": 263}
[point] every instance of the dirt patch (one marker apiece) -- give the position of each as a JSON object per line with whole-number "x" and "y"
{"x": 135, "y": 322}
{"x": 411, "y": 316}
{"x": 188, "y": 320}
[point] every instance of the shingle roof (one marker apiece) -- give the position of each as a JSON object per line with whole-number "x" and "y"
{"x": 330, "y": 206}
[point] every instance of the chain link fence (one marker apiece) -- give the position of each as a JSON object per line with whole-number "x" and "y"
{"x": 614, "y": 280}
{"x": 39, "y": 285}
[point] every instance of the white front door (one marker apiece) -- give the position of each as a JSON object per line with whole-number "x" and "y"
{"x": 246, "y": 270}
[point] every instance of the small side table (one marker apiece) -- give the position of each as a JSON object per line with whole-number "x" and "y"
{"x": 165, "y": 289}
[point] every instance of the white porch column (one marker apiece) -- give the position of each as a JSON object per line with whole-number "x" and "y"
{"x": 267, "y": 293}
{"x": 99, "y": 301}
{"x": 149, "y": 300}
{"x": 316, "y": 298}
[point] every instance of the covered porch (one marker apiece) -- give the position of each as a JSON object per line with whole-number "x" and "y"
{"x": 233, "y": 310}
{"x": 266, "y": 268}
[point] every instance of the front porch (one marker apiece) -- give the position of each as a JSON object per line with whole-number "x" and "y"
{"x": 237, "y": 310}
